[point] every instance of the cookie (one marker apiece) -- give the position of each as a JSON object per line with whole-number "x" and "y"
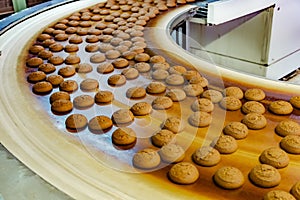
{"x": 89, "y": 85}
{"x": 174, "y": 124}
{"x": 142, "y": 57}
{"x": 76, "y": 122}
{"x": 129, "y": 55}
{"x": 230, "y": 103}
{"x": 155, "y": 88}
{"x": 71, "y": 48}
{"x": 42, "y": 87}
{"x": 157, "y": 59}
{"x": 103, "y": 97}
{"x": 295, "y": 101}
{"x": 202, "y": 104}
{"x": 68, "y": 86}
{"x": 295, "y": 190}
{"x": 233, "y": 91}
{"x": 105, "y": 68}
{"x": 36, "y": 76}
{"x": 237, "y": 130}
{"x": 206, "y": 156}
{"x": 59, "y": 95}
{"x": 142, "y": 67}
{"x": 183, "y": 173}
{"x": 214, "y": 95}
{"x": 265, "y": 176}
{"x": 141, "y": 109}
{"x": 122, "y": 116}
{"x": 254, "y": 94}
{"x": 61, "y": 106}
{"x": 45, "y": 54}
{"x": 100, "y": 124}
{"x": 130, "y": 73}
{"x": 254, "y": 121}
{"x": 116, "y": 80}
{"x": 123, "y": 136}
{"x": 83, "y": 101}
{"x": 229, "y": 177}
{"x": 174, "y": 79}
{"x": 278, "y": 194}
{"x": 162, "y": 103}
{"x": 199, "y": 80}
{"x": 55, "y": 79}
{"x": 97, "y": 58}
{"x": 56, "y": 47}
{"x": 281, "y": 107}
{"x": 67, "y": 71}
{"x": 84, "y": 68}
{"x": 162, "y": 138}
{"x": 172, "y": 153}
{"x": 105, "y": 47}
{"x": 200, "y": 119}
{"x": 47, "y": 68}
{"x": 120, "y": 63}
{"x": 91, "y": 38}
{"x": 164, "y": 66}
{"x": 189, "y": 74}
{"x": 176, "y": 95}
{"x": 193, "y": 90}
{"x": 177, "y": 69}
{"x": 225, "y": 144}
{"x": 287, "y": 127}
{"x": 275, "y": 157}
{"x": 160, "y": 74}
{"x": 112, "y": 54}
{"x": 291, "y": 144}
{"x": 136, "y": 93}
{"x": 146, "y": 159}
{"x": 253, "y": 107}
{"x": 34, "y": 62}
{"x": 56, "y": 60}
{"x": 35, "y": 49}
{"x": 75, "y": 39}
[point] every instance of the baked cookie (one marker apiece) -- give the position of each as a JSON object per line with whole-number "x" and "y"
{"x": 174, "y": 124}
{"x": 136, "y": 93}
{"x": 89, "y": 85}
{"x": 56, "y": 60}
{"x": 120, "y": 63}
{"x": 75, "y": 39}
{"x": 254, "y": 121}
{"x": 254, "y": 94}
{"x": 229, "y": 177}
{"x": 281, "y": 107}
{"x": 189, "y": 74}
{"x": 72, "y": 59}
{"x": 287, "y": 127}
{"x": 116, "y": 80}
{"x": 123, "y": 136}
{"x": 146, "y": 159}
{"x": 193, "y": 90}
{"x": 56, "y": 47}
{"x": 265, "y": 176}
{"x": 275, "y": 157}
{"x": 225, "y": 144}
{"x": 291, "y": 144}
{"x": 206, "y": 156}
{"x": 214, "y": 95}
{"x": 141, "y": 109}
{"x": 200, "y": 119}
{"x": 230, "y": 103}
{"x": 76, "y": 122}
{"x": 130, "y": 73}
{"x": 71, "y": 48}
{"x": 67, "y": 71}
{"x": 68, "y": 86}
{"x": 278, "y": 194}
{"x": 233, "y": 91}
{"x": 55, "y": 79}
{"x": 176, "y": 95}
{"x": 253, "y": 107}
{"x": 42, "y": 87}
{"x": 129, "y": 55}
{"x": 160, "y": 74}
{"x": 47, "y": 68}
{"x": 174, "y": 79}
{"x": 100, "y": 124}
{"x": 202, "y": 104}
{"x": 45, "y": 54}
{"x": 162, "y": 103}
{"x": 83, "y": 101}
{"x": 103, "y": 97}
{"x": 97, "y": 58}
{"x": 295, "y": 190}
{"x": 164, "y": 66}
{"x": 36, "y": 76}
{"x": 295, "y": 101}
{"x": 162, "y": 138}
{"x": 112, "y": 54}
{"x": 142, "y": 57}
{"x": 177, "y": 69}
{"x": 183, "y": 173}
{"x": 105, "y": 68}
{"x": 35, "y": 49}
{"x": 172, "y": 153}
{"x": 84, "y": 68}
{"x": 122, "y": 116}
{"x": 237, "y": 130}
{"x": 105, "y": 47}
{"x": 59, "y": 95}
{"x": 157, "y": 59}
{"x": 156, "y": 88}
{"x": 34, "y": 62}
{"x": 61, "y": 106}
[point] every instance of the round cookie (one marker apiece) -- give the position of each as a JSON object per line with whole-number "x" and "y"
{"x": 56, "y": 60}
{"x": 237, "y": 130}
{"x": 141, "y": 109}
{"x": 253, "y": 106}
{"x": 174, "y": 124}
{"x": 295, "y": 101}
{"x": 162, "y": 103}
{"x": 105, "y": 68}
{"x": 146, "y": 159}
{"x": 295, "y": 190}
{"x": 206, "y": 156}
{"x": 71, "y": 48}
{"x": 34, "y": 62}
{"x": 280, "y": 107}
{"x": 230, "y": 103}
{"x": 112, "y": 54}
{"x": 162, "y": 138}
{"x": 229, "y": 177}
{"x": 164, "y": 66}
{"x": 84, "y": 68}
{"x": 254, "y": 121}
{"x": 193, "y": 90}
{"x": 56, "y": 47}
{"x": 202, "y": 104}
{"x": 176, "y": 95}
{"x": 72, "y": 59}
{"x": 160, "y": 74}
{"x": 76, "y": 122}
{"x": 183, "y": 173}
{"x": 92, "y": 48}
{"x": 45, "y": 54}
{"x": 59, "y": 95}
{"x": 97, "y": 58}
{"x": 275, "y": 157}
{"x": 83, "y": 101}
{"x": 189, "y": 74}
{"x": 155, "y": 88}
{"x": 123, "y": 136}
{"x": 36, "y": 76}
{"x": 68, "y": 86}
{"x": 233, "y": 92}
{"x": 213, "y": 95}
{"x": 100, "y": 124}
{"x": 35, "y": 49}
{"x": 200, "y": 119}
{"x": 225, "y": 144}
{"x": 61, "y": 106}
{"x": 278, "y": 194}
{"x": 177, "y": 69}
{"x": 265, "y": 176}
{"x": 89, "y": 85}
{"x": 55, "y": 79}
{"x": 136, "y": 93}
{"x": 42, "y": 87}
{"x": 103, "y": 97}
{"x": 291, "y": 144}
{"x": 254, "y": 94}
{"x": 172, "y": 153}
{"x": 175, "y": 79}
{"x": 47, "y": 68}
{"x": 287, "y": 127}
{"x": 142, "y": 67}
{"x": 120, "y": 63}
{"x": 130, "y": 73}
{"x": 122, "y": 116}
{"x": 142, "y": 57}
{"x": 67, "y": 71}
{"x": 199, "y": 80}
{"x": 157, "y": 59}
{"x": 105, "y": 47}
{"x": 116, "y": 80}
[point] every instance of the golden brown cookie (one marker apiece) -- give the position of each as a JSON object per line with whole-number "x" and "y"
{"x": 254, "y": 94}
{"x": 160, "y": 74}
{"x": 254, "y": 121}
{"x": 120, "y": 63}
{"x": 287, "y": 127}
{"x": 189, "y": 74}
{"x": 200, "y": 119}
{"x": 83, "y": 101}
{"x": 202, "y": 104}
{"x": 72, "y": 59}
{"x": 176, "y": 95}
{"x": 174, "y": 124}
{"x": 230, "y": 103}
{"x": 67, "y": 71}
{"x": 237, "y": 130}
{"x": 174, "y": 79}
{"x": 164, "y": 66}
{"x": 76, "y": 122}
{"x": 105, "y": 68}
{"x": 206, "y": 156}
{"x": 92, "y": 48}
{"x": 122, "y": 116}
{"x": 45, "y": 54}
{"x": 59, "y": 95}
{"x": 68, "y": 86}
{"x": 42, "y": 87}
{"x": 278, "y": 194}
{"x": 183, "y": 173}
{"x": 56, "y": 60}
{"x": 295, "y": 190}
{"x": 156, "y": 88}
{"x": 233, "y": 91}
{"x": 34, "y": 62}
{"x": 35, "y": 49}
{"x": 172, "y": 153}
{"x": 112, "y": 54}
{"x": 193, "y": 90}
{"x": 84, "y": 68}
{"x": 253, "y": 106}
{"x": 295, "y": 101}
{"x": 141, "y": 109}
{"x": 225, "y": 144}
{"x": 75, "y": 39}
{"x": 199, "y": 80}
{"x": 177, "y": 69}
{"x": 229, "y": 177}
{"x": 291, "y": 144}
{"x": 55, "y": 80}
{"x": 162, "y": 103}
{"x": 142, "y": 57}
{"x": 275, "y": 157}
{"x": 97, "y": 58}
{"x": 123, "y": 136}
{"x": 265, "y": 176}
{"x": 47, "y": 68}
{"x": 36, "y": 76}
{"x": 136, "y": 93}
{"x": 146, "y": 159}
{"x": 130, "y": 73}
{"x": 214, "y": 95}
{"x": 281, "y": 107}
{"x": 56, "y": 47}
{"x": 89, "y": 85}
{"x": 162, "y": 138}
{"x": 61, "y": 106}
{"x": 103, "y": 97}
{"x": 116, "y": 80}
{"x": 157, "y": 59}
{"x": 100, "y": 124}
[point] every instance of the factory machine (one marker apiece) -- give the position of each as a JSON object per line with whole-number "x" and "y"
{"x": 260, "y": 37}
